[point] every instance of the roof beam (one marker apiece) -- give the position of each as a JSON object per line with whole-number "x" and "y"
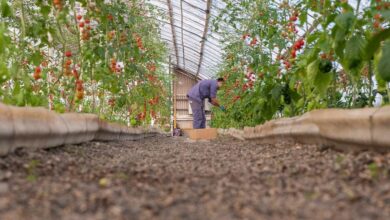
{"x": 173, "y": 30}
{"x": 206, "y": 28}
{"x": 194, "y": 6}
{"x": 191, "y": 32}
{"x": 186, "y": 73}
{"x": 182, "y": 33}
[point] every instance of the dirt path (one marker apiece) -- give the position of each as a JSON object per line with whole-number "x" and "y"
{"x": 166, "y": 178}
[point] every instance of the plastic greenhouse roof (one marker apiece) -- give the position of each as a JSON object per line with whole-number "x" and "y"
{"x": 193, "y": 47}
{"x": 186, "y": 30}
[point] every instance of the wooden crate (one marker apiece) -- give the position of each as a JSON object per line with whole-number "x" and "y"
{"x": 202, "y": 134}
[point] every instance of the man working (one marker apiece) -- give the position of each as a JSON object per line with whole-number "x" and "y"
{"x": 205, "y": 89}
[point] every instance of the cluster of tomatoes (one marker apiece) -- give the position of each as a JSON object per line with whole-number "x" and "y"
{"x": 382, "y": 5}
{"x": 123, "y": 38}
{"x": 57, "y": 4}
{"x": 286, "y": 62}
{"x": 111, "y": 102}
{"x": 294, "y": 17}
{"x": 250, "y": 79}
{"x": 51, "y": 101}
{"x": 151, "y": 78}
{"x": 85, "y": 27}
{"x": 37, "y": 73}
{"x": 151, "y": 67}
{"x": 140, "y": 44}
{"x": 236, "y": 98}
{"x": 111, "y": 35}
{"x": 154, "y": 101}
{"x": 38, "y": 69}
{"x": 67, "y": 65}
{"x": 110, "y": 17}
{"x": 116, "y": 67}
{"x": 236, "y": 85}
{"x": 141, "y": 116}
{"x": 291, "y": 25}
{"x": 250, "y": 41}
{"x": 79, "y": 89}
{"x": 378, "y": 20}
{"x": 241, "y": 85}
{"x": 68, "y": 71}
{"x": 327, "y": 56}
{"x": 298, "y": 45}
{"x": 343, "y": 78}
{"x": 153, "y": 114}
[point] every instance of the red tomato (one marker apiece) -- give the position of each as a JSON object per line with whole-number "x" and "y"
{"x": 68, "y": 53}
{"x": 38, "y": 69}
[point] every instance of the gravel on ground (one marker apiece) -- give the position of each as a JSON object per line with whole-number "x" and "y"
{"x": 173, "y": 178}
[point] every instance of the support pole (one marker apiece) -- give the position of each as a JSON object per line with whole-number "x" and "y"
{"x": 182, "y": 34}
{"x": 173, "y": 31}
{"x": 204, "y": 38}
{"x": 174, "y": 101}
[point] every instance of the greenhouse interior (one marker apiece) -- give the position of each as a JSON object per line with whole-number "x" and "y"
{"x": 194, "y": 109}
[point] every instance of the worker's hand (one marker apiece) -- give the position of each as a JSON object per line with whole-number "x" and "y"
{"x": 222, "y": 108}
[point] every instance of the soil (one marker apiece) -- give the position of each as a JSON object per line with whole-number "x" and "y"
{"x": 172, "y": 178}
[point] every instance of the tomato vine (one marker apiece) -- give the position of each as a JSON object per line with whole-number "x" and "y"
{"x": 284, "y": 58}
{"x": 103, "y": 57}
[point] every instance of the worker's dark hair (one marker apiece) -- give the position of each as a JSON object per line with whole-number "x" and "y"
{"x": 220, "y": 79}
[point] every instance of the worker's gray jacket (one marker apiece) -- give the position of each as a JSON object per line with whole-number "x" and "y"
{"x": 205, "y": 89}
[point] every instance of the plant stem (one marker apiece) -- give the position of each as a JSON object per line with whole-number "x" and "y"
{"x": 387, "y": 100}
{"x": 371, "y": 97}
{"x": 78, "y": 41}
{"x": 358, "y": 7}
{"x": 93, "y": 87}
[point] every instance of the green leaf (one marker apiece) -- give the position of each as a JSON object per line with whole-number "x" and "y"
{"x": 4, "y": 73}
{"x": 3, "y": 43}
{"x": 345, "y": 21}
{"x": 312, "y": 37}
{"x": 276, "y": 92}
{"x": 6, "y": 10}
{"x": 324, "y": 43}
{"x": 330, "y": 19}
{"x": 340, "y": 34}
{"x": 375, "y": 42}
{"x": 354, "y": 52}
{"x": 36, "y": 58}
{"x": 313, "y": 70}
{"x": 343, "y": 24}
{"x": 312, "y": 55}
{"x": 318, "y": 79}
{"x": 45, "y": 11}
{"x": 385, "y": 14}
{"x": 383, "y": 67}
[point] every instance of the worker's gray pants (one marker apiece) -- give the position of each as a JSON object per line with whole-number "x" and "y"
{"x": 199, "y": 114}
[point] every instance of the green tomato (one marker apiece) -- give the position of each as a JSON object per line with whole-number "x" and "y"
{"x": 325, "y": 66}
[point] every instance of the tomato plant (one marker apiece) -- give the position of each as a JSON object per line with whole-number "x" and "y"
{"x": 103, "y": 57}
{"x": 307, "y": 55}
